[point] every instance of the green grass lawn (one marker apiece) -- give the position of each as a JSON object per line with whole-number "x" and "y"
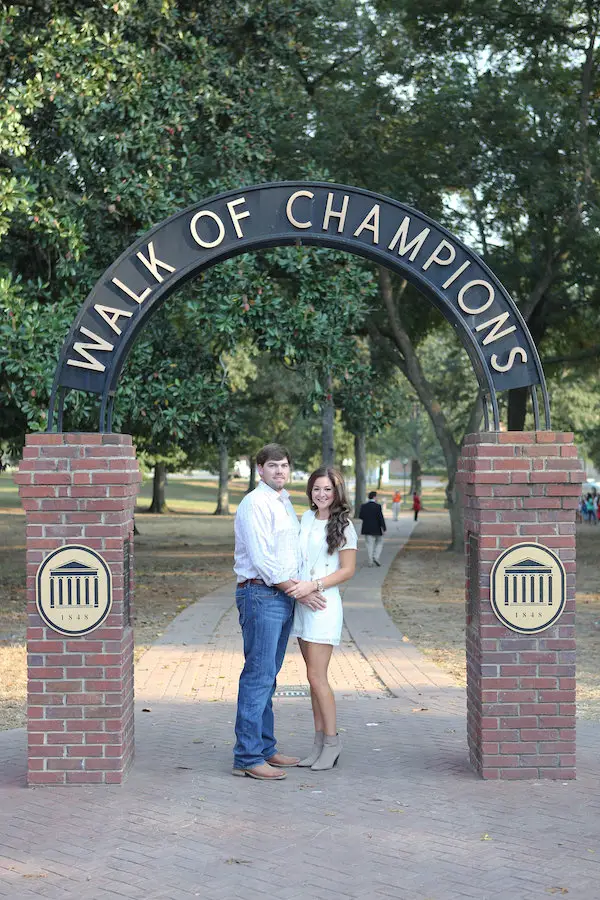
{"x": 193, "y": 495}
{"x": 9, "y": 498}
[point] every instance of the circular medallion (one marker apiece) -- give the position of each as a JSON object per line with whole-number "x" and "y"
{"x": 528, "y": 588}
{"x": 73, "y": 590}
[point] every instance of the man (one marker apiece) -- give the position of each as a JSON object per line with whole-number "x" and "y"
{"x": 373, "y": 527}
{"x": 266, "y": 565}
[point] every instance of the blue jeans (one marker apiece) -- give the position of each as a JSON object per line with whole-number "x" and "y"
{"x": 266, "y": 615}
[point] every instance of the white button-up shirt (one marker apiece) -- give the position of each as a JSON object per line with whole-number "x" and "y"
{"x": 266, "y": 536}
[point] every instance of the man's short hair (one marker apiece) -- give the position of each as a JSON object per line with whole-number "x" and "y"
{"x": 272, "y": 451}
{"x": 372, "y": 495}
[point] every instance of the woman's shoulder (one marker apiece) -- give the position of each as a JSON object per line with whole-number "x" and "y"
{"x": 307, "y": 517}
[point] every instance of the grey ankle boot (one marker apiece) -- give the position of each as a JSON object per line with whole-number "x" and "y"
{"x": 315, "y": 752}
{"x": 329, "y": 754}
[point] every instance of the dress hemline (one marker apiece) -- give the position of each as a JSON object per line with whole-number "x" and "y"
{"x": 311, "y": 640}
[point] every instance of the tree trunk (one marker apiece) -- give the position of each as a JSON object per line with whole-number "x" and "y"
{"x": 158, "y": 504}
{"x": 411, "y": 368}
{"x": 380, "y": 476}
{"x": 223, "y": 494}
{"x": 415, "y": 477}
{"x": 252, "y": 476}
{"x": 328, "y": 446}
{"x": 454, "y": 500}
{"x": 360, "y": 471}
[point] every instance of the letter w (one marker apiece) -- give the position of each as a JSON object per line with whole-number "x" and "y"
{"x": 82, "y": 349}
{"x": 497, "y": 322}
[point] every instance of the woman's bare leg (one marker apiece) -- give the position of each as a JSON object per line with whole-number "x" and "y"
{"x": 317, "y": 662}
{"x": 313, "y": 697}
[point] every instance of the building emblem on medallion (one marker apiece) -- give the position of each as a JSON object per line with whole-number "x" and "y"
{"x": 528, "y": 588}
{"x": 73, "y": 590}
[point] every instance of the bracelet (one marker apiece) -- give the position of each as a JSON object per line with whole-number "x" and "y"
{"x": 319, "y": 584}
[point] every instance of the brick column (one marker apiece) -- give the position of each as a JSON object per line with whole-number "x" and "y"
{"x": 518, "y": 487}
{"x": 80, "y": 489}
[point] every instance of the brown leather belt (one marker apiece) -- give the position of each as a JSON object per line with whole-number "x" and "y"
{"x": 251, "y": 581}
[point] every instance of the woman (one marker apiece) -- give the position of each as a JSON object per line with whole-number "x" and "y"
{"x": 416, "y": 505}
{"x": 328, "y": 544}
{"x": 589, "y": 508}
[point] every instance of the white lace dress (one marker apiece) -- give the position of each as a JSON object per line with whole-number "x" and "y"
{"x": 320, "y": 626}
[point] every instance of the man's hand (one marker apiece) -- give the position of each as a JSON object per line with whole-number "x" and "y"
{"x": 314, "y": 601}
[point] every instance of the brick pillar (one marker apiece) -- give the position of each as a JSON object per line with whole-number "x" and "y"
{"x": 80, "y": 489}
{"x": 519, "y": 487}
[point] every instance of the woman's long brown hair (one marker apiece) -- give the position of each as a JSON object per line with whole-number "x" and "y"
{"x": 339, "y": 511}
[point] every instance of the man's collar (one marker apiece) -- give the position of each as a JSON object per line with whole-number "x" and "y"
{"x": 278, "y": 494}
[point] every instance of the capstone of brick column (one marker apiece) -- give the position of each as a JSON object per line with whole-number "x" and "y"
{"x": 80, "y": 489}
{"x": 518, "y": 487}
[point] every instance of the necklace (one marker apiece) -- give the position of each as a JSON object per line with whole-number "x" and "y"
{"x": 318, "y": 557}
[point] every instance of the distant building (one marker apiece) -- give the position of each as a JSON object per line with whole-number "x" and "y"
{"x": 241, "y": 468}
{"x": 396, "y": 470}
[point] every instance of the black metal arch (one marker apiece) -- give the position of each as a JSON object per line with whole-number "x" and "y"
{"x": 357, "y": 221}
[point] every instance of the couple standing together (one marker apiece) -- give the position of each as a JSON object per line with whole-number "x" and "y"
{"x": 287, "y": 584}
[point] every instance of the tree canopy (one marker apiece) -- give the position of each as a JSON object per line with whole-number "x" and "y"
{"x": 113, "y": 116}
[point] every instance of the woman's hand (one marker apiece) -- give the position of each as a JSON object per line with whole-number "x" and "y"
{"x": 302, "y": 589}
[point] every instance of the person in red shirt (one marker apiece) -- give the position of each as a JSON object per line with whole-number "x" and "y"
{"x": 396, "y": 501}
{"x": 416, "y": 505}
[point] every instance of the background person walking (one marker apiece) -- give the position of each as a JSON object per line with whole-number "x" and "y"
{"x": 591, "y": 509}
{"x": 416, "y": 505}
{"x": 396, "y": 501}
{"x": 373, "y": 528}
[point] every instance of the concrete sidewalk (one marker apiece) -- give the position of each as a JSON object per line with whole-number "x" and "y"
{"x": 401, "y": 816}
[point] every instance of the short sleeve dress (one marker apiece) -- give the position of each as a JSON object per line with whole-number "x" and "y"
{"x": 320, "y": 626}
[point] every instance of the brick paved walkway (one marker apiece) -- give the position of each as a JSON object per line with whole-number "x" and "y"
{"x": 402, "y": 816}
